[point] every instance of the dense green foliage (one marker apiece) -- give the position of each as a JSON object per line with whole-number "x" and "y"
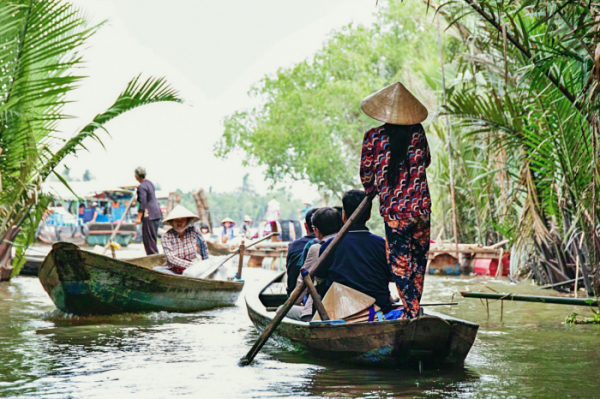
{"x": 40, "y": 56}
{"x": 310, "y": 125}
{"x": 526, "y": 109}
{"x": 523, "y": 113}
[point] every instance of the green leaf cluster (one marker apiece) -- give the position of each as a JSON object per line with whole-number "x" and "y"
{"x": 309, "y": 124}
{"x": 41, "y": 45}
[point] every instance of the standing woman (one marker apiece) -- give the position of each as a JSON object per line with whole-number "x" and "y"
{"x": 394, "y": 159}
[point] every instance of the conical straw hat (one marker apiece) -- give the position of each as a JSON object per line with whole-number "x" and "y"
{"x": 342, "y": 301}
{"x": 394, "y": 104}
{"x": 228, "y": 220}
{"x": 181, "y": 212}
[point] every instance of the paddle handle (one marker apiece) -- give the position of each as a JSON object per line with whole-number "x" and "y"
{"x": 315, "y": 295}
{"x": 241, "y": 261}
{"x": 262, "y": 339}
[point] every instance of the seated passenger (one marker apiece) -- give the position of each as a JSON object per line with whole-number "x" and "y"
{"x": 326, "y": 223}
{"x": 360, "y": 260}
{"x": 183, "y": 244}
{"x": 295, "y": 249}
{"x": 227, "y": 230}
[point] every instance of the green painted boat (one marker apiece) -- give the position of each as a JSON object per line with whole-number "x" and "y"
{"x": 433, "y": 340}
{"x": 85, "y": 283}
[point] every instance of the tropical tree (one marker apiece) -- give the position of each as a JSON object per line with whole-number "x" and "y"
{"x": 527, "y": 98}
{"x": 40, "y": 58}
{"x": 309, "y": 125}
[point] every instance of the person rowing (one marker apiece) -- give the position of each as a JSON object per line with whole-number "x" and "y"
{"x": 394, "y": 160}
{"x": 183, "y": 244}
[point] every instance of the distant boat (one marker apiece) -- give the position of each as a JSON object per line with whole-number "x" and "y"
{"x": 434, "y": 339}
{"x": 85, "y": 283}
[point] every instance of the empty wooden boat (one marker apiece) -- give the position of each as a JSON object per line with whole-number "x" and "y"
{"x": 85, "y": 283}
{"x": 433, "y": 340}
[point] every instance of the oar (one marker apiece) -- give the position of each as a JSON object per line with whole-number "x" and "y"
{"x": 112, "y": 236}
{"x": 301, "y": 286}
{"x": 234, "y": 253}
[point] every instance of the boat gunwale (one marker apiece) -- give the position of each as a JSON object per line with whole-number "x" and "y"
{"x": 259, "y": 308}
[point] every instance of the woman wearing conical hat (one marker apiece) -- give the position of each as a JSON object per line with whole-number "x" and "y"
{"x": 227, "y": 230}
{"x": 183, "y": 244}
{"x": 394, "y": 159}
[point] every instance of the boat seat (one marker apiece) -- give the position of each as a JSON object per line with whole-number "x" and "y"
{"x": 276, "y": 289}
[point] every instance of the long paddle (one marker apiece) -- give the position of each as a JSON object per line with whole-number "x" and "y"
{"x": 114, "y": 233}
{"x": 300, "y": 287}
{"x": 234, "y": 253}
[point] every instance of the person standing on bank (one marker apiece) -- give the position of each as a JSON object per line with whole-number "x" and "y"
{"x": 149, "y": 213}
{"x": 394, "y": 160}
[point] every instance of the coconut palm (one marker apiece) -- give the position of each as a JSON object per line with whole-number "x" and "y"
{"x": 40, "y": 60}
{"x": 527, "y": 96}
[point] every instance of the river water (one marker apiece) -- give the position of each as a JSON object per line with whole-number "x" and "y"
{"x": 531, "y": 353}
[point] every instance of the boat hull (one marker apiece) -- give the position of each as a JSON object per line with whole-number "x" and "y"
{"x": 433, "y": 340}
{"x": 84, "y": 283}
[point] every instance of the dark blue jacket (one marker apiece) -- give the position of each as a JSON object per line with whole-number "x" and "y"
{"x": 147, "y": 200}
{"x": 291, "y": 264}
{"x": 359, "y": 262}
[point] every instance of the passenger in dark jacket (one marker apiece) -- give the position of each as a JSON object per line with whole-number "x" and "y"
{"x": 149, "y": 213}
{"x": 360, "y": 260}
{"x": 295, "y": 252}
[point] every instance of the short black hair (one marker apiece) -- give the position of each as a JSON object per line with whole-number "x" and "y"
{"x": 351, "y": 201}
{"x": 308, "y": 219}
{"x": 339, "y": 209}
{"x": 327, "y": 220}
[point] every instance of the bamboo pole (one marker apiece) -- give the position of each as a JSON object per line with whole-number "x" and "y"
{"x": 114, "y": 233}
{"x": 449, "y": 137}
{"x": 283, "y": 310}
{"x": 315, "y": 295}
{"x": 561, "y": 284}
{"x": 533, "y": 298}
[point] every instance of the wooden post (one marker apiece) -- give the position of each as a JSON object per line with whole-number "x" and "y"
{"x": 283, "y": 310}
{"x": 114, "y": 233}
{"x": 315, "y": 295}
{"x": 241, "y": 261}
{"x": 449, "y": 137}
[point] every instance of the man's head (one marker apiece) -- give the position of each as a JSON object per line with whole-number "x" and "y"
{"x": 308, "y": 220}
{"x": 326, "y": 221}
{"x": 350, "y": 202}
{"x": 140, "y": 174}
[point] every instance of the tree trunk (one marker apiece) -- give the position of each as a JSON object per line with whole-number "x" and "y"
{"x": 5, "y": 253}
{"x": 203, "y": 209}
{"x": 173, "y": 200}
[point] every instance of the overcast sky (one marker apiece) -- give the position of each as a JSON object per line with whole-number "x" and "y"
{"x": 212, "y": 52}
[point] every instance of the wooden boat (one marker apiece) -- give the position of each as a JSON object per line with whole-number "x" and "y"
{"x": 32, "y": 265}
{"x": 434, "y": 339}
{"x": 85, "y": 283}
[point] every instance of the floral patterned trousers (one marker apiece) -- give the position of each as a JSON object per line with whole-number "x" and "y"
{"x": 407, "y": 243}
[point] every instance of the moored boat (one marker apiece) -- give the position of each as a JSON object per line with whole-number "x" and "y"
{"x": 434, "y": 339}
{"x": 85, "y": 283}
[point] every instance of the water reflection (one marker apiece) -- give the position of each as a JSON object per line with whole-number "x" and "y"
{"x": 43, "y": 353}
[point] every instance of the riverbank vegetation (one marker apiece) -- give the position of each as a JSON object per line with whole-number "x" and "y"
{"x": 516, "y": 107}
{"x": 41, "y": 49}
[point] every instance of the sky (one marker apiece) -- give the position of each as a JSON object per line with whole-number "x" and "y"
{"x": 212, "y": 52}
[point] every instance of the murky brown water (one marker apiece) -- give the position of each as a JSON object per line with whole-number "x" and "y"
{"x": 532, "y": 353}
